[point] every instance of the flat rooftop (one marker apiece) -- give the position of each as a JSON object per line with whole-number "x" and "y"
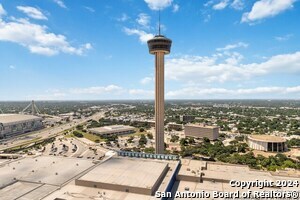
{"x": 267, "y": 138}
{"x": 201, "y": 126}
{"x": 13, "y": 118}
{"x": 34, "y": 178}
{"x": 137, "y": 173}
{"x": 112, "y": 129}
{"x": 26, "y": 191}
{"x": 225, "y": 172}
{"x": 76, "y": 192}
{"x": 42, "y": 169}
{"x": 73, "y": 191}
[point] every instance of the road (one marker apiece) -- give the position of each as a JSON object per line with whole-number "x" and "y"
{"x": 47, "y": 133}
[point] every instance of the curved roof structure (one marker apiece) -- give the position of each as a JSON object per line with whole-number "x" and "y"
{"x": 16, "y": 118}
{"x": 266, "y": 138}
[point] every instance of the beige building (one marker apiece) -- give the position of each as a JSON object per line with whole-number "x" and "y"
{"x": 114, "y": 129}
{"x": 201, "y": 131}
{"x": 126, "y": 175}
{"x": 267, "y": 143}
{"x": 175, "y": 126}
{"x": 14, "y": 124}
{"x": 195, "y": 176}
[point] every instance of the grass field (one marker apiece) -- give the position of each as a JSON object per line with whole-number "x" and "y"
{"x": 137, "y": 133}
{"x": 88, "y": 136}
{"x": 92, "y": 137}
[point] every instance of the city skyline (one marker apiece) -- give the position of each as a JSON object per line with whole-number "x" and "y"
{"x": 224, "y": 49}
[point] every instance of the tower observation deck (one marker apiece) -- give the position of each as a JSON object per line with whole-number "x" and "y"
{"x": 159, "y": 46}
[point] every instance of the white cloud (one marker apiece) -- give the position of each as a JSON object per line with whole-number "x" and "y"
{"x": 32, "y": 12}
{"x": 96, "y": 93}
{"x": 237, "y": 4}
{"x": 208, "y": 3}
{"x": 52, "y": 94}
{"x": 143, "y": 20}
{"x": 143, "y": 36}
{"x": 209, "y": 93}
{"x": 116, "y": 92}
{"x": 89, "y": 9}
{"x": 140, "y": 94}
{"x": 60, "y": 3}
{"x": 99, "y": 90}
{"x": 147, "y": 80}
{"x": 12, "y": 67}
{"x": 2, "y": 11}
{"x": 175, "y": 8}
{"x": 221, "y": 5}
{"x": 87, "y": 46}
{"x": 37, "y": 38}
{"x": 227, "y": 67}
{"x": 233, "y": 46}
{"x": 283, "y": 38}
{"x": 266, "y": 8}
{"x": 158, "y": 4}
{"x": 123, "y": 18}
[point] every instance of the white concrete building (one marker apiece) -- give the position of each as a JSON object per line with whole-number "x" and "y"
{"x": 267, "y": 143}
{"x": 115, "y": 129}
{"x": 15, "y": 124}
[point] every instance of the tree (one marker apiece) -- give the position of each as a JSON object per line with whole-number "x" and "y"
{"x": 79, "y": 127}
{"x": 174, "y": 138}
{"x": 130, "y": 139}
{"x": 239, "y": 138}
{"x": 143, "y": 140}
{"x": 77, "y": 134}
{"x": 142, "y": 130}
{"x": 206, "y": 140}
{"x": 149, "y": 150}
{"x": 150, "y": 136}
{"x": 191, "y": 140}
{"x": 183, "y": 142}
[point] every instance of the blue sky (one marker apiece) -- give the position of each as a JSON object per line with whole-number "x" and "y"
{"x": 96, "y": 49}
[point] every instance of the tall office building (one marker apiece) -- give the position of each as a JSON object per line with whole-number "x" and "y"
{"x": 159, "y": 46}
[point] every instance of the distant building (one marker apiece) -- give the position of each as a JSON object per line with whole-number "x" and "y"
{"x": 67, "y": 116}
{"x": 267, "y": 143}
{"x": 115, "y": 129}
{"x": 15, "y": 124}
{"x": 175, "y": 126}
{"x": 144, "y": 123}
{"x": 186, "y": 118}
{"x": 201, "y": 131}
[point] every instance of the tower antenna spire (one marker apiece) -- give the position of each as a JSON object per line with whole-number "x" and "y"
{"x": 159, "y": 22}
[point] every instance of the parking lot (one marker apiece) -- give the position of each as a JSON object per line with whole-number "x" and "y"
{"x": 72, "y": 147}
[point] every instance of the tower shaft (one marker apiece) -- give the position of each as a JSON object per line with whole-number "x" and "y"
{"x": 159, "y": 46}
{"x": 159, "y": 102}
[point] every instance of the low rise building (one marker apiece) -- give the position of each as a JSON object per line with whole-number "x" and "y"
{"x": 114, "y": 129}
{"x": 267, "y": 143}
{"x": 175, "y": 126}
{"x": 15, "y": 124}
{"x": 185, "y": 118}
{"x": 201, "y": 131}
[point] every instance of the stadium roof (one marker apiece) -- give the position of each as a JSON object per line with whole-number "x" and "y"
{"x": 13, "y": 118}
{"x": 266, "y": 138}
